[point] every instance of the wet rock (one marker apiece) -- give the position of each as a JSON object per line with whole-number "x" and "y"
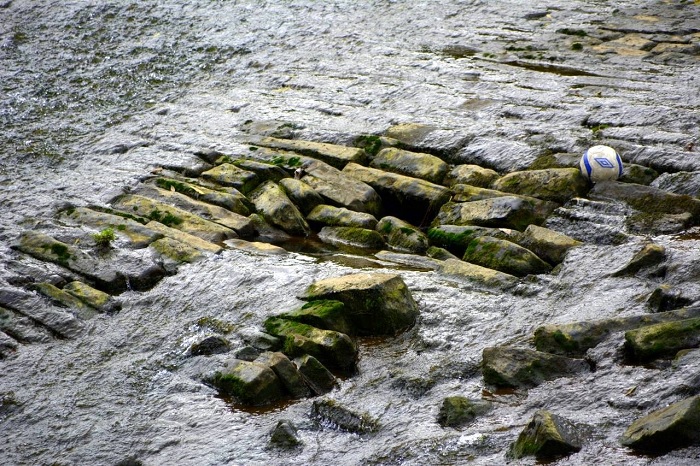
{"x": 230, "y": 199}
{"x": 173, "y": 217}
{"x": 440, "y": 254}
{"x": 265, "y": 171}
{"x": 675, "y": 426}
{"x": 576, "y": 338}
{"x": 666, "y": 298}
{"x": 256, "y": 247}
{"x": 287, "y": 372}
{"x": 325, "y": 215}
{"x": 341, "y": 189}
{"x": 96, "y": 299}
{"x": 251, "y": 383}
{"x": 472, "y": 175}
{"x": 227, "y": 174}
{"x": 301, "y": 194}
{"x": 129, "y": 461}
{"x": 285, "y": 435}
{"x": 417, "y": 137}
{"x": 456, "y": 238}
{"x": 557, "y": 160}
{"x": 65, "y": 299}
{"x": 247, "y": 353}
{"x": 29, "y": 305}
{"x": 315, "y": 374}
{"x": 354, "y": 237}
{"x": 660, "y": 211}
{"x": 552, "y": 184}
{"x": 137, "y": 234}
{"x": 639, "y": 174}
{"x": 261, "y": 340}
{"x": 333, "y": 349}
{"x": 414, "y": 164}
{"x": 265, "y": 231}
{"x": 271, "y": 202}
{"x": 325, "y": 314}
{"x": 211, "y": 344}
{"x": 500, "y": 212}
{"x": 332, "y": 414}
{"x": 679, "y": 183}
{"x": 238, "y": 223}
{"x": 504, "y": 256}
{"x": 273, "y": 128}
{"x": 410, "y": 260}
{"x": 402, "y": 236}
{"x": 467, "y": 193}
{"x": 663, "y": 339}
{"x": 547, "y": 436}
{"x": 186, "y": 238}
{"x": 22, "y": 328}
{"x": 46, "y": 248}
{"x": 547, "y": 244}
{"x": 376, "y": 303}
{"x": 498, "y": 154}
{"x": 412, "y": 199}
{"x": 651, "y": 255}
{"x": 457, "y": 411}
{"x": 522, "y": 368}
{"x": 8, "y": 345}
{"x": 336, "y": 156}
{"x": 171, "y": 253}
{"x": 476, "y": 274}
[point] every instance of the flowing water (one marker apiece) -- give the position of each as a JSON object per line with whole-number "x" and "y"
{"x": 95, "y": 95}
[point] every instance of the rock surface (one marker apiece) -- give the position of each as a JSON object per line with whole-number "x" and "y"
{"x": 546, "y": 436}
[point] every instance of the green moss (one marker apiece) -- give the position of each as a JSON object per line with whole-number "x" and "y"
{"x": 286, "y": 161}
{"x": 229, "y": 384}
{"x": 104, "y": 238}
{"x": 577, "y": 46}
{"x": 453, "y": 242}
{"x": 166, "y": 218}
{"x": 371, "y": 144}
{"x": 215, "y": 324}
{"x": 386, "y": 228}
{"x": 407, "y": 231}
{"x": 177, "y": 186}
{"x": 135, "y": 218}
{"x": 61, "y": 252}
{"x": 572, "y": 32}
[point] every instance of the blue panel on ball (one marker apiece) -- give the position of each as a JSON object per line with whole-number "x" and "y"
{"x": 605, "y": 163}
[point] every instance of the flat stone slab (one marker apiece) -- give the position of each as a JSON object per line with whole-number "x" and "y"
{"x": 675, "y": 426}
{"x": 476, "y": 274}
{"x": 414, "y": 164}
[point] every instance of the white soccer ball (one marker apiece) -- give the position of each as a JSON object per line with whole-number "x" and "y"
{"x": 601, "y": 163}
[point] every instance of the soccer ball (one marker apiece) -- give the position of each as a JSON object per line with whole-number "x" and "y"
{"x": 601, "y": 163}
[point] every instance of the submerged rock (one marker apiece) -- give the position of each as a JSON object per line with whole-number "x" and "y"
{"x": 523, "y": 368}
{"x": 65, "y": 299}
{"x": 664, "y": 339}
{"x": 332, "y": 348}
{"x": 35, "y": 309}
{"x": 576, "y": 338}
{"x": 325, "y": 215}
{"x": 271, "y": 202}
{"x": 500, "y": 212}
{"x": 315, "y": 374}
{"x": 411, "y": 260}
{"x": 553, "y": 184}
{"x": 472, "y": 175}
{"x": 547, "y": 436}
{"x": 666, "y": 298}
{"x": 250, "y": 382}
{"x": 285, "y": 435}
{"x": 639, "y": 174}
{"x": 256, "y": 247}
{"x": 457, "y": 411}
{"x": 502, "y": 255}
{"x": 301, "y": 194}
{"x": 336, "y": 416}
{"x": 377, "y": 303}
{"x": 412, "y": 199}
{"x": 402, "y": 236}
{"x": 211, "y": 344}
{"x": 414, "y": 164}
{"x": 351, "y": 236}
{"x": 675, "y": 426}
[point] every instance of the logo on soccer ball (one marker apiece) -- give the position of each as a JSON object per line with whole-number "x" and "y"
{"x": 605, "y": 163}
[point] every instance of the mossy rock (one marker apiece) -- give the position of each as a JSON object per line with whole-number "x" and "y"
{"x": 186, "y": 238}
{"x": 334, "y": 155}
{"x": 265, "y": 171}
{"x": 546, "y": 437}
{"x": 412, "y": 199}
{"x": 376, "y": 303}
{"x": 228, "y": 174}
{"x": 499, "y": 212}
{"x": 575, "y": 338}
{"x": 353, "y": 237}
{"x": 326, "y": 215}
{"x": 510, "y": 367}
{"x": 402, "y": 236}
{"x": 504, "y": 256}
{"x": 547, "y": 244}
{"x": 232, "y": 199}
{"x": 440, "y": 254}
{"x": 674, "y": 426}
{"x": 335, "y": 349}
{"x": 456, "y": 238}
{"x": 301, "y": 194}
{"x": 287, "y": 372}
{"x": 552, "y": 184}
{"x": 557, "y": 160}
{"x": 172, "y": 253}
{"x": 638, "y": 174}
{"x": 457, "y": 411}
{"x": 65, "y": 299}
{"x": 476, "y": 274}
{"x": 414, "y": 164}
{"x": 97, "y": 299}
{"x": 332, "y": 413}
{"x": 211, "y": 344}
{"x": 325, "y": 314}
{"x": 274, "y": 205}
{"x": 315, "y": 374}
{"x": 249, "y": 382}
{"x": 663, "y": 339}
{"x": 134, "y": 232}
{"x": 472, "y": 175}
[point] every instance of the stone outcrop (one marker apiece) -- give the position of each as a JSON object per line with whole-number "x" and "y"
{"x": 333, "y": 414}
{"x": 325, "y": 314}
{"x": 547, "y": 244}
{"x": 135, "y": 233}
{"x": 476, "y": 274}
{"x": 377, "y": 303}
{"x": 315, "y": 374}
{"x": 334, "y": 155}
{"x": 228, "y": 198}
{"x": 249, "y": 382}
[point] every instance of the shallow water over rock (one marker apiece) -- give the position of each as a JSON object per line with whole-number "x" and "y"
{"x": 96, "y": 96}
